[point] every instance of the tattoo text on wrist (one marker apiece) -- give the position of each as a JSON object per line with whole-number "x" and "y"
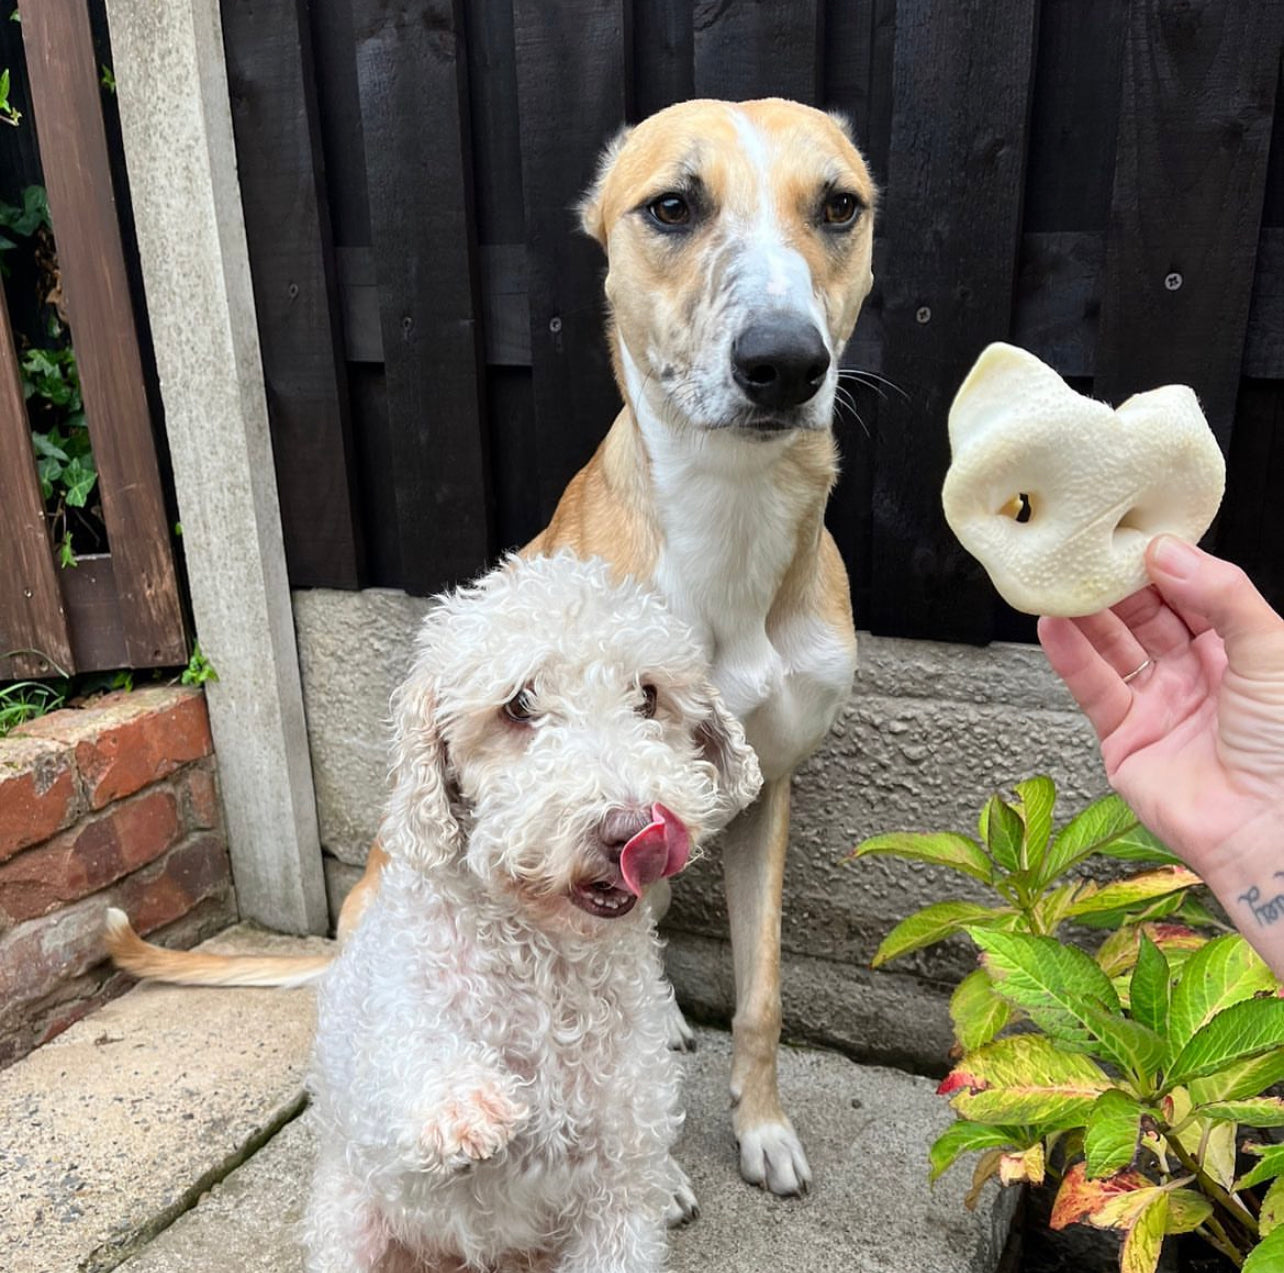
{"x": 1266, "y": 912}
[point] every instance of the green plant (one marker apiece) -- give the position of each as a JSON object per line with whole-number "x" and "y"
{"x": 51, "y": 387}
{"x": 1124, "y": 1075}
{"x": 7, "y": 113}
{"x": 26, "y": 700}
{"x": 25, "y": 219}
{"x": 199, "y": 669}
{"x": 64, "y": 455}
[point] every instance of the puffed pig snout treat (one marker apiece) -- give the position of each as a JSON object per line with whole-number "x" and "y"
{"x": 1057, "y": 495}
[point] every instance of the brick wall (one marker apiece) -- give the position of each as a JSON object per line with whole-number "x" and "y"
{"x": 114, "y": 804}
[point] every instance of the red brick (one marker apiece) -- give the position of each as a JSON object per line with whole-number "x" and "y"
{"x": 164, "y": 891}
{"x": 125, "y": 742}
{"x": 38, "y": 793}
{"x": 202, "y": 810}
{"x": 89, "y": 857}
{"x": 24, "y": 1025}
{"x": 38, "y": 955}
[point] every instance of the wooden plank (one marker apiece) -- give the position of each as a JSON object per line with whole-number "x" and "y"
{"x": 33, "y": 626}
{"x": 501, "y": 229}
{"x": 952, "y": 217}
{"x": 1250, "y": 527}
{"x": 848, "y": 52}
{"x": 412, "y": 70}
{"x": 1058, "y": 298}
{"x": 663, "y": 54}
{"x": 94, "y": 615}
{"x": 65, "y": 97}
{"x": 1194, "y": 134}
{"x": 274, "y": 113}
{"x": 1264, "y": 340}
{"x": 561, "y": 43}
{"x": 758, "y": 48}
{"x": 1074, "y": 115}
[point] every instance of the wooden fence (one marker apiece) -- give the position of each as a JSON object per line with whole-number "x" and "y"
{"x": 120, "y": 608}
{"x": 1101, "y": 181}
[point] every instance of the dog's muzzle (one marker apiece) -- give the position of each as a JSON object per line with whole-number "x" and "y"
{"x": 779, "y": 362}
{"x": 640, "y": 856}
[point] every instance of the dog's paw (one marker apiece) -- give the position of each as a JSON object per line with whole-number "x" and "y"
{"x": 679, "y": 1036}
{"x": 771, "y": 1155}
{"x": 470, "y": 1127}
{"x": 683, "y": 1205}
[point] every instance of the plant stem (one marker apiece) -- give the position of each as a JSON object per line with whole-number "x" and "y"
{"x": 1216, "y": 1236}
{"x": 1230, "y": 1204}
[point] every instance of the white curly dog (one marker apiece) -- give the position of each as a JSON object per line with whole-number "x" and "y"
{"x": 493, "y": 1088}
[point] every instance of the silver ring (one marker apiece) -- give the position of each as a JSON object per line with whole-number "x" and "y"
{"x": 1137, "y": 671}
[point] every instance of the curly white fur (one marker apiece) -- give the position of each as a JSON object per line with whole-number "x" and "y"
{"x": 493, "y": 1087}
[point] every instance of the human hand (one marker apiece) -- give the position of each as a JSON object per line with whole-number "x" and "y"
{"x": 1184, "y": 684}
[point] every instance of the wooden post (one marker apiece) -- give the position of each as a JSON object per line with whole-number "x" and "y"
{"x": 33, "y": 625}
{"x": 65, "y": 99}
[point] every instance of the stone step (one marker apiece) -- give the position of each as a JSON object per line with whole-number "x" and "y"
{"x": 117, "y": 1126}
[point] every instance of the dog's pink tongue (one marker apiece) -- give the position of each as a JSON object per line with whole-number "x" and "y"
{"x": 658, "y": 850}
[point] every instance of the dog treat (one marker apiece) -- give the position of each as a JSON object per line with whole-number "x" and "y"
{"x": 656, "y": 852}
{"x": 1057, "y": 495}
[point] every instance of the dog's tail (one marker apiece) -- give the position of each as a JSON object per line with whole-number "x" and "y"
{"x": 195, "y": 968}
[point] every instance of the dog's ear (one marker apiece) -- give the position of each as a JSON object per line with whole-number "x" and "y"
{"x": 592, "y": 217}
{"x": 722, "y": 740}
{"x": 420, "y": 826}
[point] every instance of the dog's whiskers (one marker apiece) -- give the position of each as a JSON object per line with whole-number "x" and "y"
{"x": 872, "y": 380}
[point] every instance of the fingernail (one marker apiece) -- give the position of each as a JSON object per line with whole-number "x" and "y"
{"x": 1174, "y": 557}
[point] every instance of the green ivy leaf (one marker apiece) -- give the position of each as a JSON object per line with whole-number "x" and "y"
{"x": 79, "y": 477}
{"x": 1237, "y": 1033}
{"x": 961, "y": 1137}
{"x": 1113, "y": 1132}
{"x": 977, "y": 1011}
{"x": 44, "y": 445}
{"x": 1150, "y": 987}
{"x": 1224, "y": 971}
{"x": 940, "y": 848}
{"x": 930, "y": 925}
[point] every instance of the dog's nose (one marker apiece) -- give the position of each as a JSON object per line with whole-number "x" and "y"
{"x": 779, "y": 362}
{"x": 620, "y": 826}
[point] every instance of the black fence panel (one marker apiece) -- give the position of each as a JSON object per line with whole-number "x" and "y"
{"x": 1100, "y": 181}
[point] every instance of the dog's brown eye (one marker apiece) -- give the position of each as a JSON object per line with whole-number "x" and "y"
{"x": 521, "y": 707}
{"x": 649, "y": 697}
{"x": 670, "y": 209}
{"x": 840, "y": 208}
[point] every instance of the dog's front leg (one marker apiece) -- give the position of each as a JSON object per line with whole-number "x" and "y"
{"x": 466, "y": 1111}
{"x": 615, "y": 1240}
{"x": 754, "y": 869}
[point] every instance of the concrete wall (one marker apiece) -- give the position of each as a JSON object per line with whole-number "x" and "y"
{"x": 930, "y": 732}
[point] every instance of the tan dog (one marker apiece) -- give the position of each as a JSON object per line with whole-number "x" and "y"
{"x": 739, "y": 239}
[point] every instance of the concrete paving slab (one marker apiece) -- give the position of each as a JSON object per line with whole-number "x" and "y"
{"x": 871, "y": 1211}
{"x": 113, "y": 1128}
